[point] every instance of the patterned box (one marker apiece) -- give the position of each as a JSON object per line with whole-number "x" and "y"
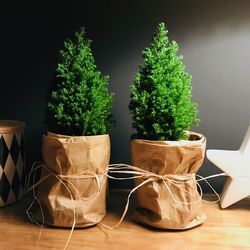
{"x": 12, "y": 161}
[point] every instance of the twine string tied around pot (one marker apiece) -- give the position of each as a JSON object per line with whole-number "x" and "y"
{"x": 168, "y": 179}
{"x": 65, "y": 181}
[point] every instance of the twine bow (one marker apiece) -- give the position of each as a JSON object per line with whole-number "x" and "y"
{"x": 65, "y": 181}
{"x": 168, "y": 180}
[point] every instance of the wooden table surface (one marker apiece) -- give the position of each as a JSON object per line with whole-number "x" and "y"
{"x": 224, "y": 229}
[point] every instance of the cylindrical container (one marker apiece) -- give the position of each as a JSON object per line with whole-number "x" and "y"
{"x": 73, "y": 182}
{"x": 171, "y": 199}
{"x": 12, "y": 161}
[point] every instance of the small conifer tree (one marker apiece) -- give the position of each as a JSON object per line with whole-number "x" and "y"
{"x": 78, "y": 100}
{"x": 160, "y": 103}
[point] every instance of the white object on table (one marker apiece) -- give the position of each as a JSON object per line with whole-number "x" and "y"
{"x": 237, "y": 165}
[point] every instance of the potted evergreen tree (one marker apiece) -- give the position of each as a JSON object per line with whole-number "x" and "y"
{"x": 76, "y": 150}
{"x": 163, "y": 112}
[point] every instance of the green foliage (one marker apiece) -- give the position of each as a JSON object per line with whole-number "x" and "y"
{"x": 78, "y": 101}
{"x": 160, "y": 102}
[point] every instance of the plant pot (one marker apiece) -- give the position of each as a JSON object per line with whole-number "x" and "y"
{"x": 78, "y": 184}
{"x": 170, "y": 203}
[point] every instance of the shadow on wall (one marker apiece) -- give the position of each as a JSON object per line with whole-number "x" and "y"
{"x": 32, "y": 34}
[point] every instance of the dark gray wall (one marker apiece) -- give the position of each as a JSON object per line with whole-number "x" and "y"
{"x": 214, "y": 38}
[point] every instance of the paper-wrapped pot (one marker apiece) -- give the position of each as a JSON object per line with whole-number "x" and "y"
{"x": 78, "y": 184}
{"x": 156, "y": 205}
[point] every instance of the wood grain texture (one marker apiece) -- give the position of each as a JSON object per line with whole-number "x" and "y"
{"x": 224, "y": 229}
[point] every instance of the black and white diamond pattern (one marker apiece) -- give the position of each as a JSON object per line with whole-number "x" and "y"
{"x": 12, "y": 170}
{"x": 4, "y": 151}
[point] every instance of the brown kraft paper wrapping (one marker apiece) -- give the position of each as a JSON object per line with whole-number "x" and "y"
{"x": 156, "y": 206}
{"x": 86, "y": 156}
